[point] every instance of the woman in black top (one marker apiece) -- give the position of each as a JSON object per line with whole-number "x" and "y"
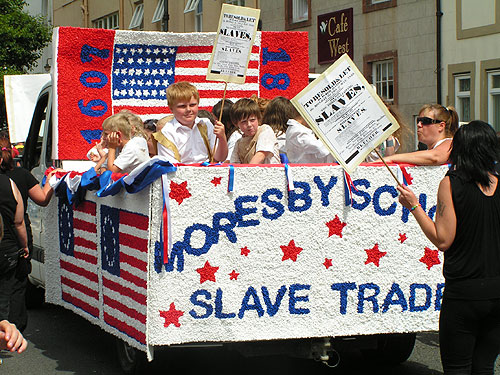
{"x": 467, "y": 229}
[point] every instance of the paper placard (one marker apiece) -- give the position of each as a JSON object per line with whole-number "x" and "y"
{"x": 346, "y": 113}
{"x": 233, "y": 45}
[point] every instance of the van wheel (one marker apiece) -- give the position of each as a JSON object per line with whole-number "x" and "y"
{"x": 129, "y": 358}
{"x": 392, "y": 349}
{"x": 35, "y": 296}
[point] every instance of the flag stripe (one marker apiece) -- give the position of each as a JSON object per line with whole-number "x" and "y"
{"x": 125, "y": 328}
{"x": 79, "y": 271}
{"x": 87, "y": 207}
{"x": 85, "y": 257}
{"x": 134, "y": 220}
{"x": 203, "y": 79}
{"x": 134, "y": 262}
{"x": 123, "y": 290}
{"x": 94, "y": 311}
{"x": 252, "y": 64}
{"x": 124, "y": 309}
{"x": 79, "y": 241}
{"x": 134, "y": 242}
{"x": 125, "y": 275}
{"x": 82, "y": 288}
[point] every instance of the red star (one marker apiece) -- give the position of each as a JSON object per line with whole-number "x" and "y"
{"x": 430, "y": 258}
{"x": 245, "y": 251}
{"x": 207, "y": 272}
{"x": 234, "y": 275}
{"x": 171, "y": 316}
{"x": 216, "y": 181}
{"x": 291, "y": 251}
{"x": 374, "y": 255}
{"x": 327, "y": 263}
{"x": 179, "y": 192}
{"x": 335, "y": 226}
{"x": 402, "y": 237}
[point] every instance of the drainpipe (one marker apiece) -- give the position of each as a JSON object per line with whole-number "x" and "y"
{"x": 85, "y": 9}
{"x": 121, "y": 20}
{"x": 439, "y": 15}
{"x": 166, "y": 16}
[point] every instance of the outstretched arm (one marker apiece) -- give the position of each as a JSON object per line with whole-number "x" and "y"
{"x": 441, "y": 232}
{"x": 436, "y": 156}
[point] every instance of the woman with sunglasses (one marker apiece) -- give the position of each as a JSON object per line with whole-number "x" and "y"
{"x": 466, "y": 230}
{"x": 436, "y": 126}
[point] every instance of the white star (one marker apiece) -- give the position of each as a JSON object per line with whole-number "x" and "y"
{"x": 130, "y": 60}
{"x": 162, "y": 72}
{"x": 139, "y": 50}
{"x": 132, "y": 82}
{"x": 153, "y": 92}
{"x": 116, "y": 92}
{"x": 166, "y": 61}
{"x": 158, "y": 61}
{"x": 162, "y": 93}
{"x": 124, "y": 82}
{"x": 164, "y": 51}
{"x": 124, "y": 71}
{"x": 148, "y": 61}
{"x": 125, "y": 51}
{"x": 149, "y": 83}
{"x": 140, "y": 60}
{"x": 120, "y": 60}
{"x": 148, "y": 51}
{"x": 165, "y": 82}
{"x": 156, "y": 51}
{"x": 172, "y": 50}
{"x": 118, "y": 50}
{"x": 145, "y": 92}
{"x": 154, "y": 71}
{"x": 146, "y": 72}
{"x": 138, "y": 93}
{"x": 131, "y": 92}
{"x": 170, "y": 72}
{"x": 131, "y": 72}
{"x": 132, "y": 51}
{"x": 117, "y": 71}
{"x": 138, "y": 72}
{"x": 124, "y": 92}
{"x": 157, "y": 82}
{"x": 140, "y": 82}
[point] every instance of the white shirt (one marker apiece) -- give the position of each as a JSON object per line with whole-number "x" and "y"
{"x": 265, "y": 143}
{"x": 231, "y": 142}
{"x": 132, "y": 154}
{"x": 188, "y": 141}
{"x": 303, "y": 147}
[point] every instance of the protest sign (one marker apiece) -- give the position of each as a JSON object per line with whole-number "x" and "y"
{"x": 345, "y": 112}
{"x": 233, "y": 44}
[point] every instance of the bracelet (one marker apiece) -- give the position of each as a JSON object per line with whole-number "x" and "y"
{"x": 413, "y": 208}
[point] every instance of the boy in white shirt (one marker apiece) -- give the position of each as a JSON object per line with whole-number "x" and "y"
{"x": 188, "y": 138}
{"x": 258, "y": 144}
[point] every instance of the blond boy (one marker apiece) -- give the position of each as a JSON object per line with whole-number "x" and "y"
{"x": 188, "y": 138}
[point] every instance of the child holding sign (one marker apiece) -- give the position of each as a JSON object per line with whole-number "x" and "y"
{"x": 258, "y": 144}
{"x": 188, "y": 138}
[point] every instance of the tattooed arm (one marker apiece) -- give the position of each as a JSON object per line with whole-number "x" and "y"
{"x": 441, "y": 232}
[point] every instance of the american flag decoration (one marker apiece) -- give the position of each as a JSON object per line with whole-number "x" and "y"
{"x": 117, "y": 295}
{"x": 100, "y": 72}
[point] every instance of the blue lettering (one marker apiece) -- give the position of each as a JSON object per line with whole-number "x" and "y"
{"x": 428, "y": 295}
{"x": 277, "y": 206}
{"x": 325, "y": 189}
{"x": 257, "y": 306}
{"x": 226, "y": 228}
{"x": 401, "y": 300}
{"x": 305, "y": 196}
{"x": 210, "y": 239}
{"x": 439, "y": 297}
{"x": 87, "y": 51}
{"x": 272, "y": 309}
{"x": 89, "y": 110}
{"x": 360, "y": 193}
{"x": 242, "y": 211}
{"x": 376, "y": 200}
{"x": 274, "y": 56}
{"x": 279, "y": 81}
{"x": 372, "y": 298}
{"x": 218, "y": 307}
{"x": 195, "y": 301}
{"x": 176, "y": 253}
{"x": 422, "y": 199}
{"x": 84, "y": 79}
{"x": 343, "y": 288}
{"x": 293, "y": 299}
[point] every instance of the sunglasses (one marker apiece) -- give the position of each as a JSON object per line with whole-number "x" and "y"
{"x": 427, "y": 120}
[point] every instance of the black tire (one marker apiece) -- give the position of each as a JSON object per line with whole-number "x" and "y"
{"x": 392, "y": 349}
{"x": 129, "y": 358}
{"x": 35, "y": 296}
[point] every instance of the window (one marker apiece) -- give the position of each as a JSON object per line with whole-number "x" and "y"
{"x": 137, "y": 17}
{"x": 191, "y": 6}
{"x": 462, "y": 97}
{"x": 381, "y": 69}
{"x": 107, "y": 22}
{"x": 373, "y": 5}
{"x": 160, "y": 9}
{"x": 494, "y": 99}
{"x": 297, "y": 13}
{"x": 383, "y": 79}
{"x": 240, "y": 3}
{"x": 198, "y": 17}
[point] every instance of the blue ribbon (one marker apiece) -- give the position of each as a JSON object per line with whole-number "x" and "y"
{"x": 230, "y": 182}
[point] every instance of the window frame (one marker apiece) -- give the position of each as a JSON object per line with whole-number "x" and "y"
{"x": 107, "y": 20}
{"x": 198, "y": 17}
{"x": 371, "y": 6}
{"x": 240, "y": 3}
{"x": 137, "y": 20}
{"x": 491, "y": 115}
{"x": 191, "y": 6}
{"x": 368, "y": 64}
{"x": 458, "y": 95}
{"x": 289, "y": 24}
{"x": 159, "y": 12}
{"x": 385, "y": 65}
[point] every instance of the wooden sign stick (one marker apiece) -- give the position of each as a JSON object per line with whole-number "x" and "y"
{"x": 389, "y": 169}
{"x": 220, "y": 115}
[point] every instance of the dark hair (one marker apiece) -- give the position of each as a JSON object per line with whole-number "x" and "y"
{"x": 243, "y": 109}
{"x": 475, "y": 150}
{"x": 6, "y": 153}
{"x": 278, "y": 112}
{"x": 150, "y": 125}
{"x": 229, "y": 127}
{"x": 203, "y": 113}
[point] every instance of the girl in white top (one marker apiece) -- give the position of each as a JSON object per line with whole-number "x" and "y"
{"x": 302, "y": 146}
{"x": 127, "y": 146}
{"x": 436, "y": 126}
